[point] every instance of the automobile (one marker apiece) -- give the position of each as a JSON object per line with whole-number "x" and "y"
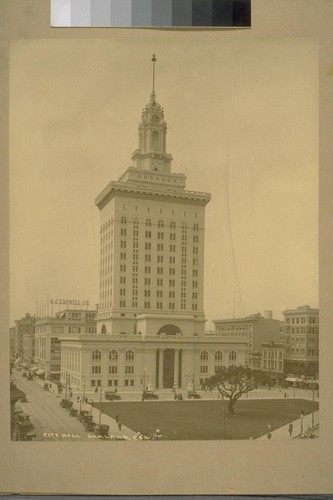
{"x": 82, "y": 413}
{"x": 149, "y": 395}
{"x": 102, "y": 430}
{"x": 73, "y": 412}
{"x": 24, "y": 374}
{"x": 66, "y": 403}
{"x": 112, "y": 396}
{"x": 90, "y": 426}
{"x": 46, "y": 386}
{"x": 86, "y": 418}
{"x": 193, "y": 395}
{"x": 178, "y": 397}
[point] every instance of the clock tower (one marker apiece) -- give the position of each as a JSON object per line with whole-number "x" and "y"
{"x": 151, "y": 153}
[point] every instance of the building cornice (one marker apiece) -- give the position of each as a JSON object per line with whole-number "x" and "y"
{"x": 125, "y": 190}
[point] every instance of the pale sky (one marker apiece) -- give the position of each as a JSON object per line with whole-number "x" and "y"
{"x": 249, "y": 104}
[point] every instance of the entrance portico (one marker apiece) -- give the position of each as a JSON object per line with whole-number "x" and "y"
{"x": 168, "y": 368}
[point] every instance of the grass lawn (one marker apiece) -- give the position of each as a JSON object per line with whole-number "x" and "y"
{"x": 204, "y": 419}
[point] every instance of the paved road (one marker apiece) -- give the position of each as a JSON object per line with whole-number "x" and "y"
{"x": 46, "y": 414}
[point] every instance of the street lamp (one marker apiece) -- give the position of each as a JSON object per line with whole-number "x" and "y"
{"x": 100, "y": 408}
{"x": 312, "y": 386}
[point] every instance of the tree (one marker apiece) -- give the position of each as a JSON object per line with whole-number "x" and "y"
{"x": 235, "y": 381}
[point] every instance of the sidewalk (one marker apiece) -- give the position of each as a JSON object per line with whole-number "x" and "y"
{"x": 114, "y": 431}
{"x": 283, "y": 432}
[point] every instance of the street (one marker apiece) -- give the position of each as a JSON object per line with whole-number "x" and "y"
{"x": 51, "y": 422}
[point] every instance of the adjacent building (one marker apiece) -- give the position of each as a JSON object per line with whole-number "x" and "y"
{"x": 24, "y": 331}
{"x": 272, "y": 360}
{"x": 301, "y": 339}
{"x": 48, "y": 334}
{"x": 253, "y": 330}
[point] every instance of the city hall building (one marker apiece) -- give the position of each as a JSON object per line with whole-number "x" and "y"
{"x": 150, "y": 321}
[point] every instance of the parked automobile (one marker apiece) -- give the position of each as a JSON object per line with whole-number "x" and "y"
{"x": 193, "y": 395}
{"x": 112, "y": 396}
{"x": 73, "y": 412}
{"x": 82, "y": 414}
{"x": 90, "y": 426}
{"x": 66, "y": 403}
{"x": 86, "y": 418}
{"x": 102, "y": 430}
{"x": 149, "y": 395}
{"x": 179, "y": 397}
{"x": 46, "y": 386}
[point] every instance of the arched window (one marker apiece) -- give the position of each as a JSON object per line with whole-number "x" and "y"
{"x": 195, "y": 227}
{"x": 103, "y": 330}
{"x": 156, "y": 140}
{"x": 96, "y": 355}
{"x": 218, "y": 356}
{"x": 148, "y": 222}
{"x": 113, "y": 355}
{"x": 232, "y": 356}
{"x": 172, "y": 225}
{"x": 129, "y": 356}
{"x": 160, "y": 223}
{"x": 204, "y": 356}
{"x": 123, "y": 220}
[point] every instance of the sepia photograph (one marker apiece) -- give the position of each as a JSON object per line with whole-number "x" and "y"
{"x": 164, "y": 239}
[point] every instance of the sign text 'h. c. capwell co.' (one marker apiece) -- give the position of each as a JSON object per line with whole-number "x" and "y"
{"x": 70, "y": 302}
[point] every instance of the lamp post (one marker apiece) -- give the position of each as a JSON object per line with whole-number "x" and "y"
{"x": 302, "y": 416}
{"x": 100, "y": 408}
{"x": 312, "y": 386}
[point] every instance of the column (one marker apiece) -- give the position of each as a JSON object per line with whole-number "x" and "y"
{"x": 175, "y": 372}
{"x": 160, "y": 369}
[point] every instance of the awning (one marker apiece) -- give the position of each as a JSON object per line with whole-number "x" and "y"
{"x": 33, "y": 368}
{"x": 24, "y": 365}
{"x": 39, "y": 372}
{"x": 291, "y": 379}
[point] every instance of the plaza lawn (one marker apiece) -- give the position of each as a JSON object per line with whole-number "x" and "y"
{"x": 204, "y": 419}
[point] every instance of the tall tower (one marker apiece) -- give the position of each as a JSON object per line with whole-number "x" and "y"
{"x": 152, "y": 242}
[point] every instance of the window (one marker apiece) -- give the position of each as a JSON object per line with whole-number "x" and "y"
{"x": 159, "y": 305}
{"x": 129, "y": 369}
{"x": 129, "y": 356}
{"x": 122, "y": 303}
{"x": 172, "y": 225}
{"x": 113, "y": 355}
{"x": 148, "y": 234}
{"x": 96, "y": 370}
{"x": 123, "y": 220}
{"x": 232, "y": 356}
{"x": 204, "y": 356}
{"x": 195, "y": 227}
{"x": 147, "y": 281}
{"x": 148, "y": 246}
{"x": 159, "y": 282}
{"x": 160, "y": 223}
{"x": 160, "y": 235}
{"x": 171, "y": 305}
{"x": 148, "y": 222}
{"x": 203, "y": 369}
{"x": 96, "y": 355}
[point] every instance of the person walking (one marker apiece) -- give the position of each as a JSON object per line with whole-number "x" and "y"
{"x": 120, "y": 424}
{"x": 290, "y": 429}
{"x": 117, "y": 418}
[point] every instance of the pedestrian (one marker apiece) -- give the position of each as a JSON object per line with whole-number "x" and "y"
{"x": 285, "y": 395}
{"x": 290, "y": 429}
{"x": 120, "y": 424}
{"x": 78, "y": 399}
{"x": 96, "y": 389}
{"x": 269, "y": 435}
{"x": 117, "y": 418}
{"x": 50, "y": 386}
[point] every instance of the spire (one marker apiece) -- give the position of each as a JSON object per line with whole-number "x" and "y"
{"x": 153, "y": 95}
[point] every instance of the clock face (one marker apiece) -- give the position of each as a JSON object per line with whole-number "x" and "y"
{"x": 155, "y": 118}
